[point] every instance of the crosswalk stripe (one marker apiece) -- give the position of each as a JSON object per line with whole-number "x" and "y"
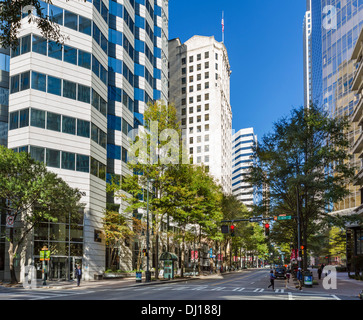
{"x": 238, "y": 289}
{"x": 258, "y": 290}
{"x": 218, "y": 289}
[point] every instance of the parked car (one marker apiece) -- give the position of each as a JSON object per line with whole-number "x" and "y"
{"x": 360, "y": 295}
{"x": 280, "y": 273}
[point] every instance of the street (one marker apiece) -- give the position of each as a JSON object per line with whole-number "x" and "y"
{"x": 246, "y": 285}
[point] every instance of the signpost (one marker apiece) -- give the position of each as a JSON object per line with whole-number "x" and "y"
{"x": 10, "y": 221}
{"x": 44, "y": 256}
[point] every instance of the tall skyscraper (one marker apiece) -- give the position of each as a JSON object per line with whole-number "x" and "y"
{"x": 72, "y": 106}
{"x": 243, "y": 159}
{"x": 312, "y": 53}
{"x": 341, "y": 23}
{"x": 200, "y": 90}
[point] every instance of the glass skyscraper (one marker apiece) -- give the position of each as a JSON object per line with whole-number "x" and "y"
{"x": 312, "y": 53}
{"x": 331, "y": 29}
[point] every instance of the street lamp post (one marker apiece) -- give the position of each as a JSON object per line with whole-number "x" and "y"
{"x": 147, "y": 273}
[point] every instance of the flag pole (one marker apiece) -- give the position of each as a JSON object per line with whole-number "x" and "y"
{"x": 222, "y": 26}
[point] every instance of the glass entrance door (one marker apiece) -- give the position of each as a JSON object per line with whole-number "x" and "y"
{"x": 58, "y": 267}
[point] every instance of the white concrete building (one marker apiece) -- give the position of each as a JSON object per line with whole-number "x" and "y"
{"x": 58, "y": 113}
{"x": 242, "y": 160}
{"x": 72, "y": 107}
{"x": 199, "y": 78}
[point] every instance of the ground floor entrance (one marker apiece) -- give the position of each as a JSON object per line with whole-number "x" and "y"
{"x": 58, "y": 268}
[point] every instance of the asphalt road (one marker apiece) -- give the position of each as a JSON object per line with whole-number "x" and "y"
{"x": 247, "y": 285}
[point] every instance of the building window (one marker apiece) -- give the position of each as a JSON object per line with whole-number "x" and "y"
{"x": 69, "y": 89}
{"x": 82, "y": 164}
{"x": 39, "y": 81}
{"x": 37, "y": 118}
{"x": 84, "y": 93}
{"x": 68, "y": 125}
{"x": 54, "y": 50}
{"x": 206, "y": 55}
{"x": 83, "y": 128}
{"x": 70, "y": 55}
{"x": 53, "y": 158}
{"x": 68, "y": 161}
{"x": 70, "y": 20}
{"x": 190, "y": 110}
{"x": 53, "y": 121}
{"x": 24, "y": 118}
{"x": 39, "y": 45}
{"x": 54, "y": 86}
{"x": 25, "y": 81}
{"x": 190, "y": 59}
{"x": 37, "y": 153}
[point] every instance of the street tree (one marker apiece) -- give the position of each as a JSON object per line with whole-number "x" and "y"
{"x": 305, "y": 163}
{"x": 32, "y": 195}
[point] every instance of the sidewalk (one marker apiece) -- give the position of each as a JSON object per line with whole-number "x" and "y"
{"x": 125, "y": 282}
{"x": 344, "y": 283}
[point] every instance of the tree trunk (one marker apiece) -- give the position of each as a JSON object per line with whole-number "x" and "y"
{"x": 12, "y": 254}
{"x": 157, "y": 255}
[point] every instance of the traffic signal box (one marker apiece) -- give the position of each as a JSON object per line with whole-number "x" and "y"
{"x": 232, "y": 230}
{"x": 267, "y": 229}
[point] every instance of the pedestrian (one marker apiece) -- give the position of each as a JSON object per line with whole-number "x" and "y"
{"x": 78, "y": 275}
{"x": 272, "y": 280}
{"x": 288, "y": 275}
{"x": 299, "y": 277}
{"x": 320, "y": 271}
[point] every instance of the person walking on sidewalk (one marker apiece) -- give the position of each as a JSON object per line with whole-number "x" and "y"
{"x": 272, "y": 280}
{"x": 78, "y": 275}
{"x": 320, "y": 271}
{"x": 299, "y": 277}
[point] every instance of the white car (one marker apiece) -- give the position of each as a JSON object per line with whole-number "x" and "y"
{"x": 267, "y": 266}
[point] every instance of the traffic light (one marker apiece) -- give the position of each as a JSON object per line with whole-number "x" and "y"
{"x": 267, "y": 229}
{"x": 232, "y": 230}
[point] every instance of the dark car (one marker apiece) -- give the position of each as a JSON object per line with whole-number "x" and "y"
{"x": 280, "y": 273}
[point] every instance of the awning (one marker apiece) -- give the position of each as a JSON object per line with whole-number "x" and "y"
{"x": 168, "y": 256}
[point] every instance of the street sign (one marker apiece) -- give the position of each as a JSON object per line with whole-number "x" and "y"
{"x": 256, "y": 219}
{"x": 44, "y": 255}
{"x": 10, "y": 221}
{"x": 279, "y": 218}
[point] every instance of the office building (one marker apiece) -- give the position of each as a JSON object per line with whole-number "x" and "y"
{"x": 312, "y": 53}
{"x": 72, "y": 106}
{"x": 354, "y": 230}
{"x": 244, "y": 142}
{"x": 200, "y": 90}
{"x": 340, "y": 25}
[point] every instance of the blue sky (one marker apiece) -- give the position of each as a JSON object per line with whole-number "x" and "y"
{"x": 264, "y": 40}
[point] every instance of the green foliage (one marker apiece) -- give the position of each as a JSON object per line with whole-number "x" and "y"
{"x": 33, "y": 195}
{"x": 305, "y": 161}
{"x": 11, "y": 20}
